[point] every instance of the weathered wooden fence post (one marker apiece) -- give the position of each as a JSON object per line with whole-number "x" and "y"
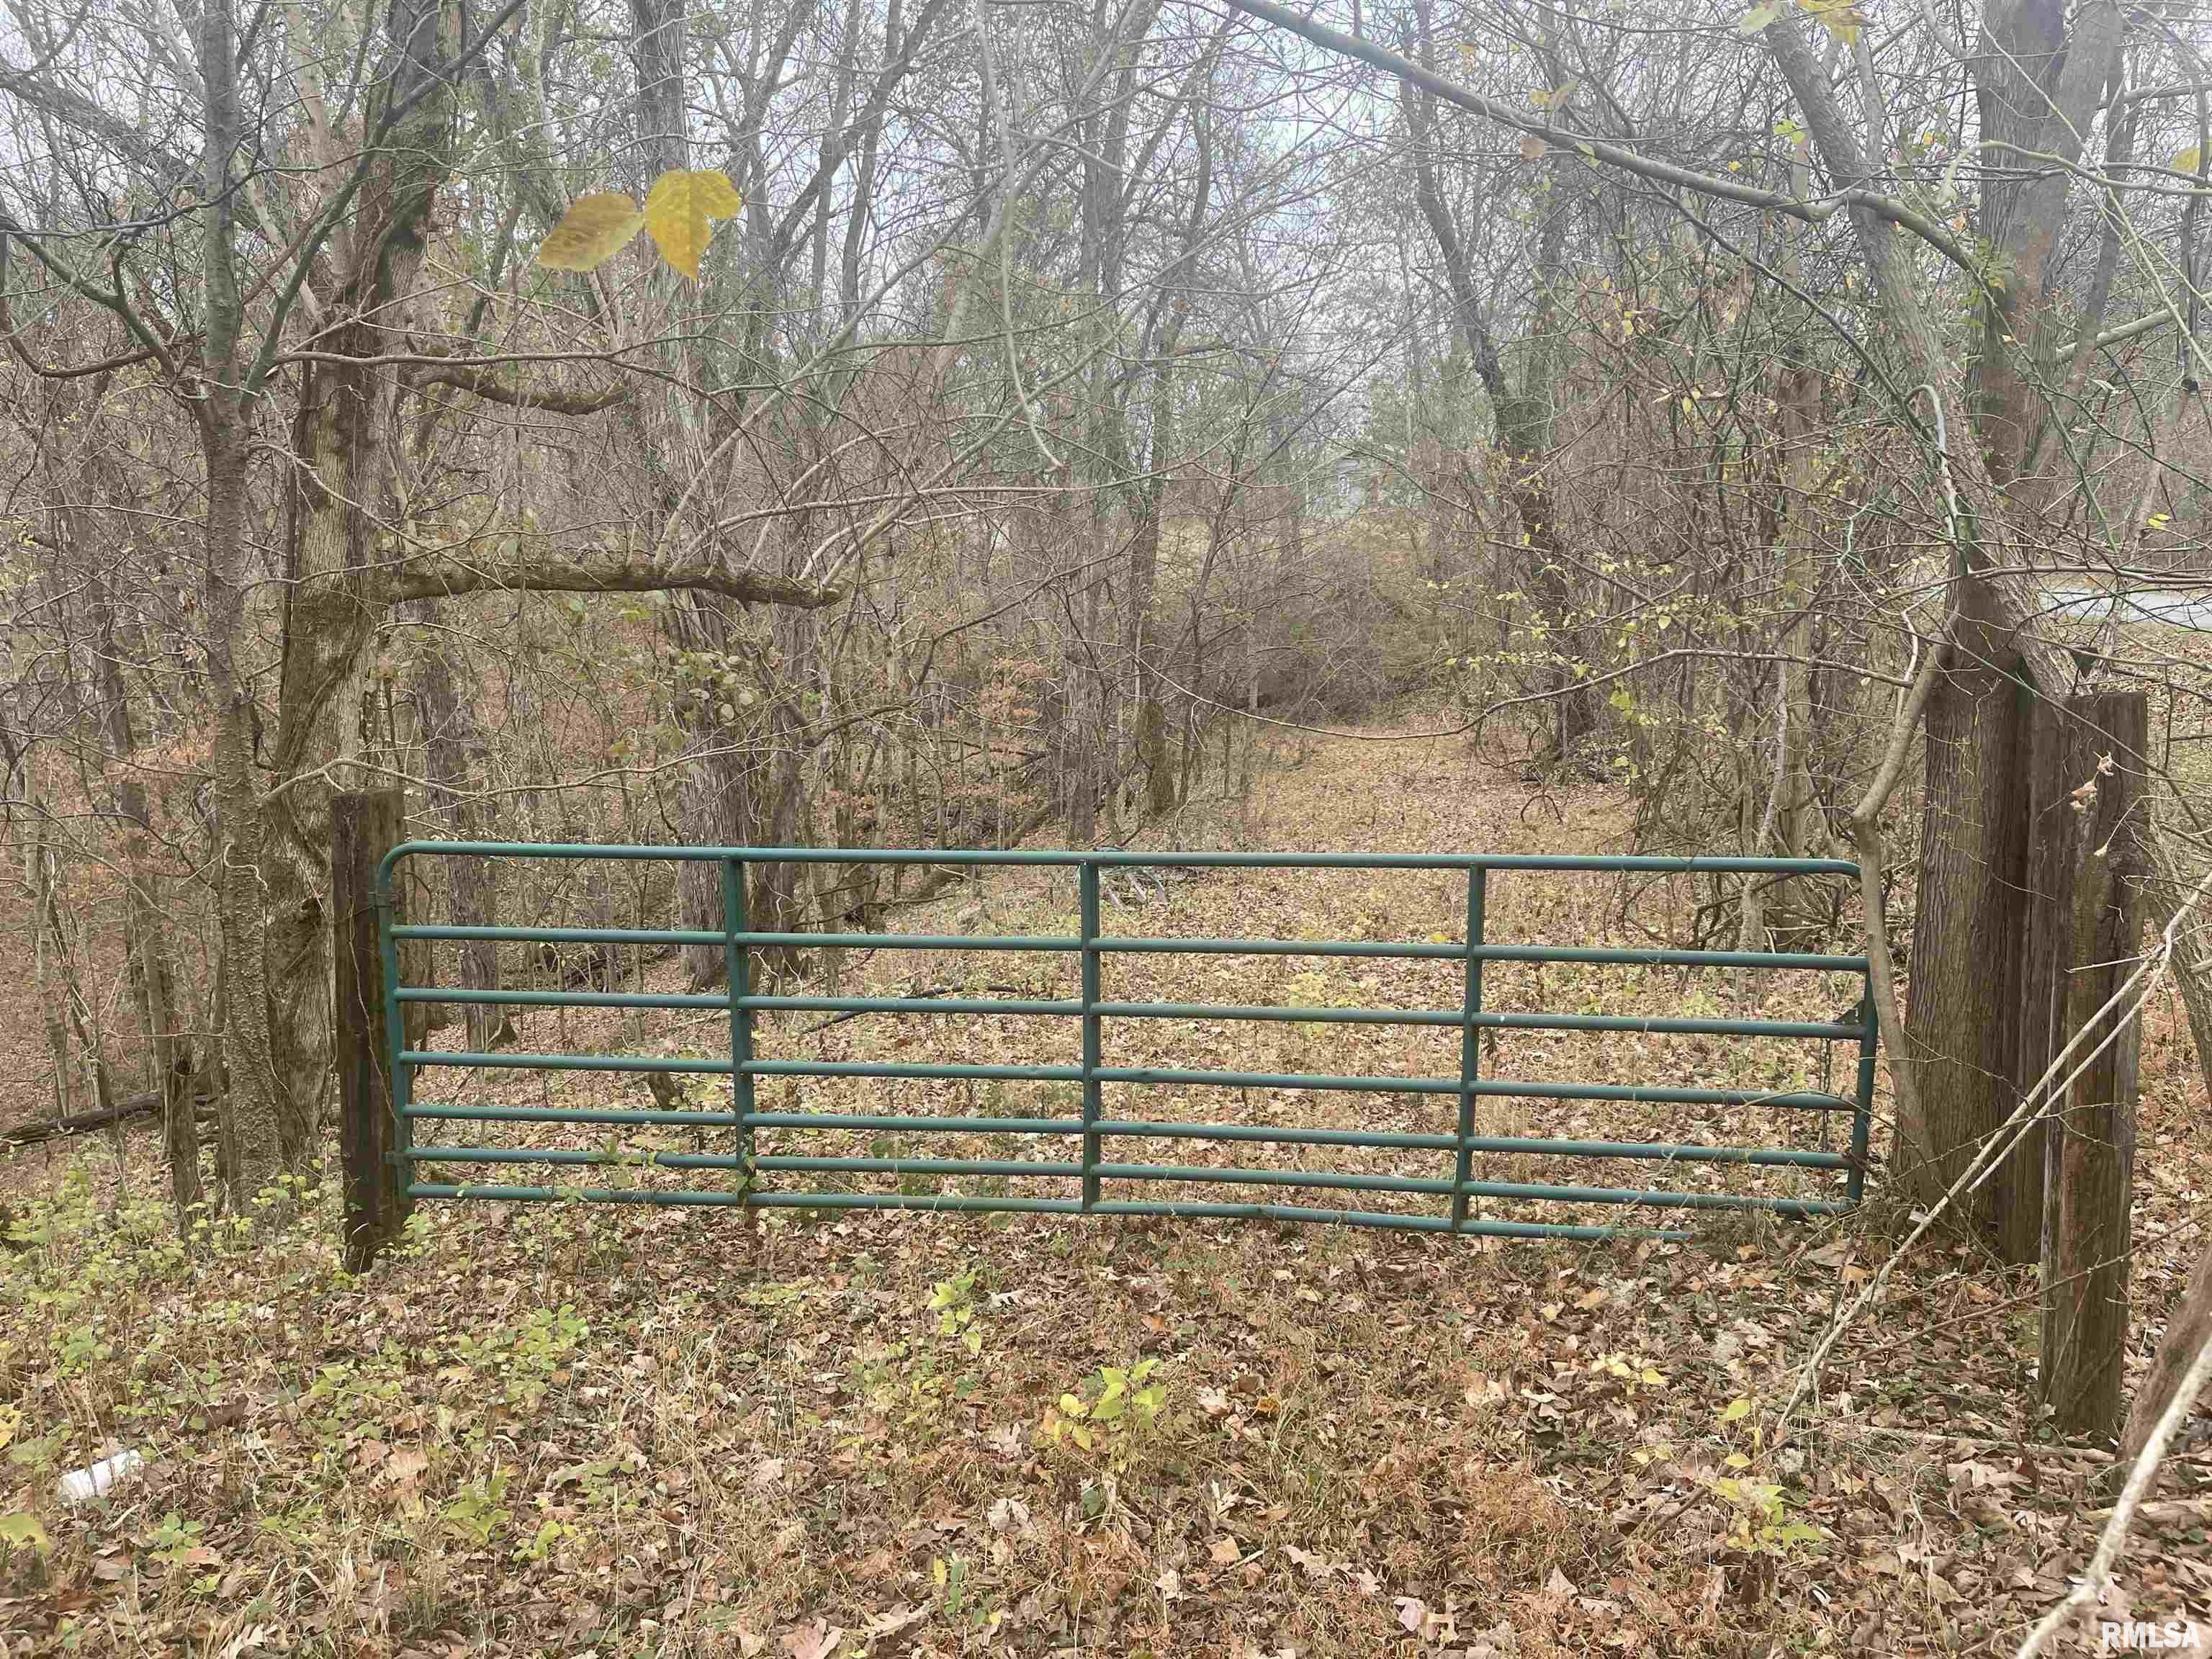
{"x": 2084, "y": 934}
{"x": 364, "y": 828}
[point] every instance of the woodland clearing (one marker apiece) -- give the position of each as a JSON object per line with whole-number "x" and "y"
{"x": 625, "y": 1431}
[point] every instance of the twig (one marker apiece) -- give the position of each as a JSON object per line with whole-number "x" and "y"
{"x": 934, "y": 991}
{"x": 2091, "y": 1585}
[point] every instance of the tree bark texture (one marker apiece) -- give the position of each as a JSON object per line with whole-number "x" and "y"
{"x": 2085, "y": 936}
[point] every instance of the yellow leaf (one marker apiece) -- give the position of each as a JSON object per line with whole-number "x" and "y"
{"x": 1840, "y": 18}
{"x": 591, "y": 233}
{"x": 678, "y": 211}
{"x": 2188, "y": 161}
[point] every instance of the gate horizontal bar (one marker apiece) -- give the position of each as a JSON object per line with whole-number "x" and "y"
{"x": 1650, "y": 863}
{"x": 1660, "y": 1152}
{"x": 692, "y": 935}
{"x": 521, "y": 1062}
{"x": 1416, "y": 1223}
{"x": 1349, "y": 1180}
{"x": 649, "y": 1160}
{"x": 734, "y": 1200}
{"x": 929, "y": 1005}
{"x": 571, "y": 1115}
{"x": 564, "y": 999}
{"x": 1410, "y": 950}
{"x": 1385, "y": 1139}
{"x": 914, "y": 1069}
{"x": 652, "y": 1160}
{"x": 559, "y": 935}
{"x": 1353, "y": 1180}
{"x": 1668, "y": 1026}
{"x": 1653, "y": 1026}
{"x": 893, "y": 1123}
{"x": 914, "y": 1201}
{"x": 927, "y": 1166}
{"x": 1407, "y": 950}
{"x": 1656, "y": 1199}
{"x": 1500, "y": 1145}
{"x": 912, "y": 941}
{"x": 1424, "y": 951}
{"x": 1489, "y": 1087}
{"x": 1672, "y": 958}
{"x": 1382, "y": 1140}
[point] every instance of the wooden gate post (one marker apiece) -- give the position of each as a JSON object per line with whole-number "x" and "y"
{"x": 364, "y": 827}
{"x": 2084, "y": 934}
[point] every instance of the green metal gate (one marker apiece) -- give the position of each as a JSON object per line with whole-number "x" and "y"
{"x": 1448, "y": 1186}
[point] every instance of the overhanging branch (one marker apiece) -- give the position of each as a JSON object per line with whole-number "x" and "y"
{"x": 481, "y": 381}
{"x": 1897, "y": 212}
{"x": 444, "y": 574}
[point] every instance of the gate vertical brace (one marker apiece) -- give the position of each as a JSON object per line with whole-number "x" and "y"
{"x": 1863, "y": 1114}
{"x": 1087, "y": 903}
{"x": 737, "y": 959}
{"x": 1470, "y": 1043}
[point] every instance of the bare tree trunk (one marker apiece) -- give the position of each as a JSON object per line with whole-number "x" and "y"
{"x": 346, "y": 492}
{"x": 251, "y": 1107}
{"x": 1962, "y": 1027}
{"x": 41, "y": 881}
{"x": 1523, "y": 417}
{"x": 251, "y": 1103}
{"x": 145, "y": 934}
{"x": 1086, "y": 715}
{"x": 1785, "y": 825}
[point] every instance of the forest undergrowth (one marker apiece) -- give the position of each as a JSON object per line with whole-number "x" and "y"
{"x": 631, "y": 1430}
